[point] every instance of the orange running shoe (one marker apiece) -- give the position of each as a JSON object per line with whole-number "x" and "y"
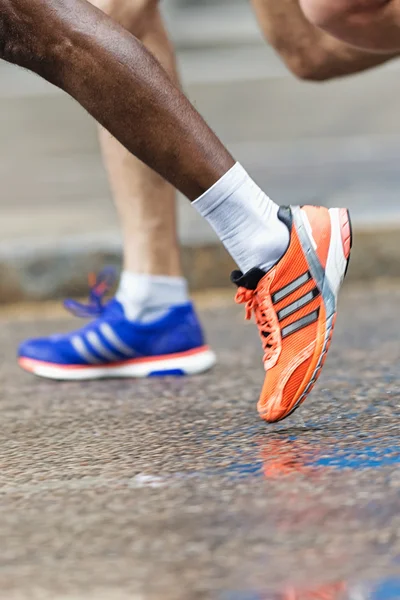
{"x": 295, "y": 304}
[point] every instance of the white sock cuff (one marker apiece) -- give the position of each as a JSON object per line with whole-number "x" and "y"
{"x": 221, "y": 190}
{"x": 143, "y": 279}
{"x": 140, "y": 286}
{"x": 147, "y": 297}
{"x": 245, "y": 220}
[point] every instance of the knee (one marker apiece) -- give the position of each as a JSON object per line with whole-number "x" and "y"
{"x": 308, "y": 62}
{"x": 133, "y": 15}
{"x": 31, "y": 36}
{"x": 310, "y": 70}
{"x": 16, "y": 32}
{"x": 9, "y": 45}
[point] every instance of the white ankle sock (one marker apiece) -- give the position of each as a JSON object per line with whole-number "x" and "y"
{"x": 245, "y": 220}
{"x": 146, "y": 298}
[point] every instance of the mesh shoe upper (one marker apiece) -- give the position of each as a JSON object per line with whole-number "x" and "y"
{"x": 290, "y": 313}
{"x": 112, "y": 338}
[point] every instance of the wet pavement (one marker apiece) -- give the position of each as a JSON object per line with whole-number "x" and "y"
{"x": 174, "y": 489}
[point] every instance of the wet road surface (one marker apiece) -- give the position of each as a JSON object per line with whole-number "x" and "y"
{"x": 174, "y": 489}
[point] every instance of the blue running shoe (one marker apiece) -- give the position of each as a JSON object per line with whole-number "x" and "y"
{"x": 112, "y": 346}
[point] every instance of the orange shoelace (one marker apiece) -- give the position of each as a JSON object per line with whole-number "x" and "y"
{"x": 267, "y": 322}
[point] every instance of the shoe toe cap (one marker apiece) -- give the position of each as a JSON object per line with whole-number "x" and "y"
{"x": 42, "y": 349}
{"x": 282, "y": 391}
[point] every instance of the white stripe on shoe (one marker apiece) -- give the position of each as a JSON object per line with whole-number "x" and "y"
{"x": 291, "y": 287}
{"x": 115, "y": 341}
{"x": 81, "y": 349}
{"x": 100, "y": 348}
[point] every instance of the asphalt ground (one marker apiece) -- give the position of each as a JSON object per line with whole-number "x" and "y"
{"x": 174, "y": 489}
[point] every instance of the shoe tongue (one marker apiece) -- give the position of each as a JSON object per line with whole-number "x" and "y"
{"x": 248, "y": 280}
{"x": 285, "y": 215}
{"x": 251, "y": 279}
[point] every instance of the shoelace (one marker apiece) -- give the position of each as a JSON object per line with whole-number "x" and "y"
{"x": 266, "y": 320}
{"x": 99, "y": 285}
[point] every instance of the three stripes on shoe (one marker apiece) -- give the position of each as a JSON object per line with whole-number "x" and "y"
{"x": 295, "y": 306}
{"x": 82, "y": 345}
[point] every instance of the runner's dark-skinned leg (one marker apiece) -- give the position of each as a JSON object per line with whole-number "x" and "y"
{"x": 109, "y": 72}
{"x": 278, "y": 251}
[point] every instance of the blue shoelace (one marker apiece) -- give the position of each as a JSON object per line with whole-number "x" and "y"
{"x": 99, "y": 286}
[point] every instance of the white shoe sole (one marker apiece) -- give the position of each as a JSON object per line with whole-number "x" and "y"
{"x": 185, "y": 363}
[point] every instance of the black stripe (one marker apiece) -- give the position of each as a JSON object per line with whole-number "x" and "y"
{"x": 297, "y": 304}
{"x": 291, "y": 287}
{"x": 300, "y": 324}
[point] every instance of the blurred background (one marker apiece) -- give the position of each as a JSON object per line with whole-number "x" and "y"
{"x": 173, "y": 488}
{"x": 331, "y": 143}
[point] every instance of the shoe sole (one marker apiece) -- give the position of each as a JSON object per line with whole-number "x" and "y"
{"x": 191, "y": 362}
{"x": 329, "y": 281}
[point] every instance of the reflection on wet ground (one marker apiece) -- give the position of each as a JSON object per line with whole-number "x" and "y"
{"x": 291, "y": 455}
{"x": 384, "y": 589}
{"x": 287, "y": 456}
{"x": 175, "y": 490}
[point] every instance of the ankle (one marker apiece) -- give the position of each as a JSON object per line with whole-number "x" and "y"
{"x": 148, "y": 297}
{"x": 245, "y": 220}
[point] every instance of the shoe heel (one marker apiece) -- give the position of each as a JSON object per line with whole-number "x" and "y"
{"x": 347, "y": 235}
{"x": 340, "y": 247}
